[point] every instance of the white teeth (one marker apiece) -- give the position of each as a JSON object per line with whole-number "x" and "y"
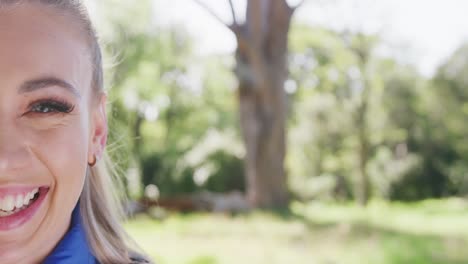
{"x": 26, "y": 199}
{"x": 19, "y": 201}
{"x": 2, "y": 213}
{"x": 10, "y": 202}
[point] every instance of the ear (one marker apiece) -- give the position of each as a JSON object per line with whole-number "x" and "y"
{"x": 98, "y": 135}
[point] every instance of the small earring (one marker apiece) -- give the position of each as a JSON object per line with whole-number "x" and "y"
{"x": 93, "y": 162}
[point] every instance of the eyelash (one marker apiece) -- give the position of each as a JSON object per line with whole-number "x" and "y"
{"x": 52, "y": 105}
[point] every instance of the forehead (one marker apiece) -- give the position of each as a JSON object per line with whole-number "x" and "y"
{"x": 40, "y": 41}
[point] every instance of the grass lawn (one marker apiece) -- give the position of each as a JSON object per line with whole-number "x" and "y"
{"x": 429, "y": 232}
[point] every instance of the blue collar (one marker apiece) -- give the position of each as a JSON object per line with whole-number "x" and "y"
{"x": 73, "y": 248}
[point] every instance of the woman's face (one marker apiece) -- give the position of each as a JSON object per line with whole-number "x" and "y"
{"x": 51, "y": 125}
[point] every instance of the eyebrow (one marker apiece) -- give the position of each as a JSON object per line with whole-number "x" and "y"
{"x": 40, "y": 83}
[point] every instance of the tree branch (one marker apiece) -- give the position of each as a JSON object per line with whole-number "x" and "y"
{"x": 216, "y": 16}
{"x": 233, "y": 12}
{"x": 298, "y": 5}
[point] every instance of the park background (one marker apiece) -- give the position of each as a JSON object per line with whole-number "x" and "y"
{"x": 273, "y": 131}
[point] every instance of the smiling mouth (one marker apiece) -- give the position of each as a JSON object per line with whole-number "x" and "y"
{"x": 12, "y": 204}
{"x": 18, "y": 209}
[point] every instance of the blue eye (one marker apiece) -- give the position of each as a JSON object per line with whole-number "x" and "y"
{"x": 51, "y": 106}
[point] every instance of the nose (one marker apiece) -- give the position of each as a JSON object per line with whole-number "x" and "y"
{"x": 13, "y": 148}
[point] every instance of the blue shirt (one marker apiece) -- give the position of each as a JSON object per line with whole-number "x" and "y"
{"x": 73, "y": 248}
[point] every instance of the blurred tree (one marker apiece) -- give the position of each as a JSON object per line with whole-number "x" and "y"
{"x": 338, "y": 105}
{"x": 149, "y": 82}
{"x": 262, "y": 47}
{"x": 360, "y": 125}
{"x": 321, "y": 155}
{"x": 448, "y": 115}
{"x": 164, "y": 108}
{"x": 362, "y": 46}
{"x": 397, "y": 165}
{"x": 116, "y": 31}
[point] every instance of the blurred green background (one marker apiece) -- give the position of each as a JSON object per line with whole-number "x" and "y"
{"x": 375, "y": 142}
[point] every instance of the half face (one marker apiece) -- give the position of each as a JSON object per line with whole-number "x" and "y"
{"x": 49, "y": 128}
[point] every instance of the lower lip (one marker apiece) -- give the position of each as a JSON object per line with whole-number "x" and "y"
{"x": 18, "y": 219}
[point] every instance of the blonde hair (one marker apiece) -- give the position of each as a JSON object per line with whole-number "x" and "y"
{"x": 100, "y": 205}
{"x": 100, "y": 211}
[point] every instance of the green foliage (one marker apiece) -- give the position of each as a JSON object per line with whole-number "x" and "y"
{"x": 228, "y": 173}
{"x": 159, "y": 169}
{"x": 173, "y": 115}
{"x": 338, "y": 100}
{"x": 413, "y": 128}
{"x": 162, "y": 107}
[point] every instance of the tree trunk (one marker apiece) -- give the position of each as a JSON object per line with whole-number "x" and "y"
{"x": 261, "y": 69}
{"x": 261, "y": 56}
{"x": 363, "y": 185}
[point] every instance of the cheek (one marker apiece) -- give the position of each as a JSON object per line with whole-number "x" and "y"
{"x": 62, "y": 149}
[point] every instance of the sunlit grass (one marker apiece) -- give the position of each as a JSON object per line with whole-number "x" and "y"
{"x": 426, "y": 232}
